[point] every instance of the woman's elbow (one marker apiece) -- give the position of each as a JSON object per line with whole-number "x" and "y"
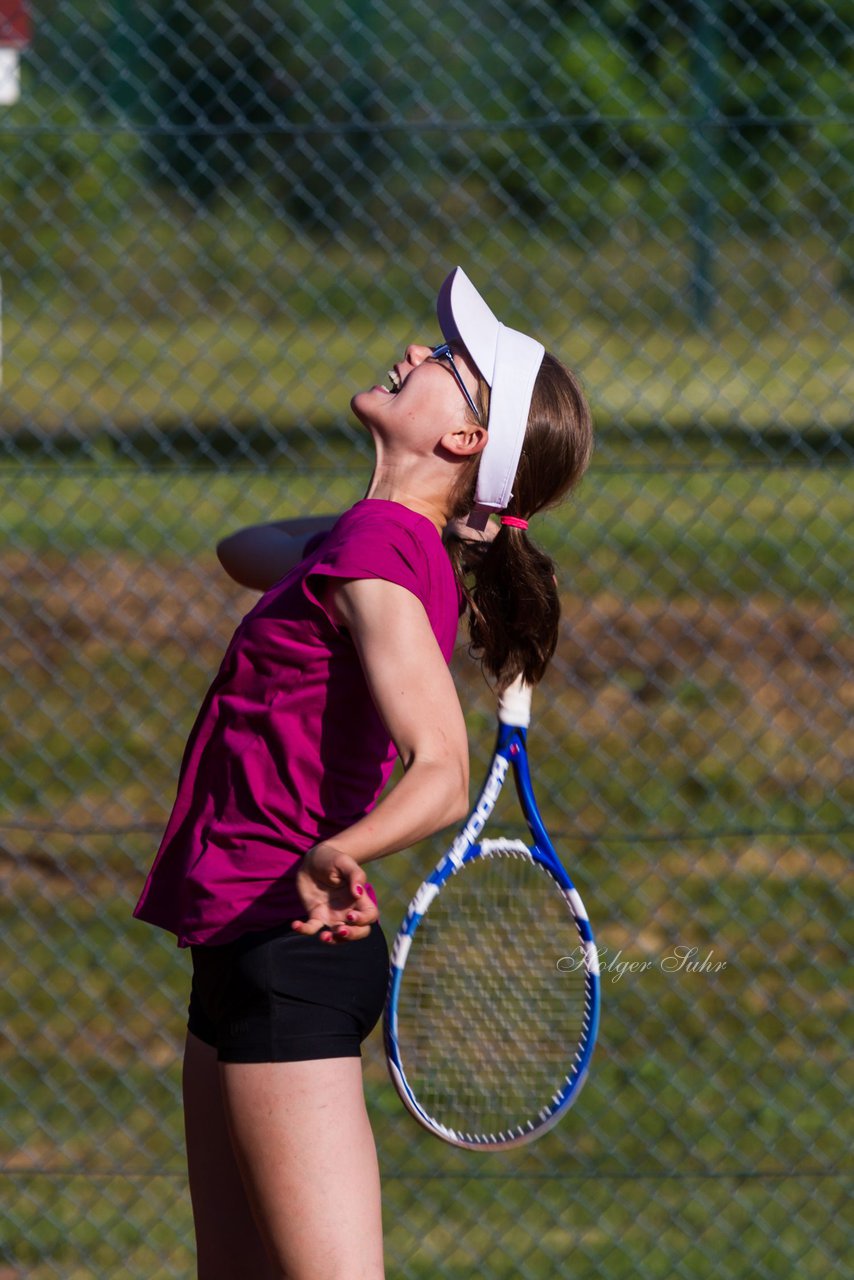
{"x": 227, "y": 553}
{"x": 460, "y": 794}
{"x": 460, "y": 811}
{"x": 446, "y": 782}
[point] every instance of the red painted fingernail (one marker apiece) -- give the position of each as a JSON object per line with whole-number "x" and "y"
{"x": 343, "y": 933}
{"x": 351, "y": 916}
{"x": 359, "y": 889}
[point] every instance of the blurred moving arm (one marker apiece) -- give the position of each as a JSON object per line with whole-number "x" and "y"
{"x": 261, "y": 555}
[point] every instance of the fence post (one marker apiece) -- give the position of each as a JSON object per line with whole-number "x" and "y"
{"x": 704, "y": 137}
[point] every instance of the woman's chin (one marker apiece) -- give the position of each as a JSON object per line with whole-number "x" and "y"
{"x": 361, "y": 405}
{"x": 355, "y": 403}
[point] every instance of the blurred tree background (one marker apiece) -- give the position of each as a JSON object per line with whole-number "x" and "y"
{"x": 203, "y": 83}
{"x": 636, "y": 172}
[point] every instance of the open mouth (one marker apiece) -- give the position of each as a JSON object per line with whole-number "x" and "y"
{"x": 394, "y": 382}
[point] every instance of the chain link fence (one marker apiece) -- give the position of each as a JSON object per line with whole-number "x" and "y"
{"x": 218, "y": 221}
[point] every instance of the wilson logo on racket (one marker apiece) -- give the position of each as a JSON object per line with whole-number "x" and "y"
{"x": 486, "y": 1044}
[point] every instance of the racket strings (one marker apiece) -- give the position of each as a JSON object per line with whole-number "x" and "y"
{"x": 488, "y": 1023}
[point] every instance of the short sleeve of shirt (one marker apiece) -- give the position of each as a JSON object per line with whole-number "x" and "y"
{"x": 371, "y": 547}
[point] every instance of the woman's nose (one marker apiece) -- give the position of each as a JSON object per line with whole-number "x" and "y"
{"x": 415, "y": 353}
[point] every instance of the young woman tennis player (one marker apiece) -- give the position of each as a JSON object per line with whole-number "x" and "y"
{"x": 341, "y": 666}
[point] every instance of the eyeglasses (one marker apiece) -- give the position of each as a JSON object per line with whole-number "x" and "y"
{"x": 444, "y": 352}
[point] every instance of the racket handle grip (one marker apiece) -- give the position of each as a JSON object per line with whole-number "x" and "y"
{"x": 514, "y": 704}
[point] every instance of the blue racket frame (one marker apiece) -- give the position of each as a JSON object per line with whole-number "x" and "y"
{"x": 511, "y": 754}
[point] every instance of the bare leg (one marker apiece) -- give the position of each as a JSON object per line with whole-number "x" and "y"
{"x": 304, "y": 1144}
{"x": 228, "y": 1243}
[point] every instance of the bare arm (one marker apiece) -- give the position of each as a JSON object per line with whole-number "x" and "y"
{"x": 261, "y": 554}
{"x": 415, "y": 695}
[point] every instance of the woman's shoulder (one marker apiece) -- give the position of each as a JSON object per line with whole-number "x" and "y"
{"x": 391, "y": 523}
{"x": 397, "y": 532}
{"x": 380, "y": 538}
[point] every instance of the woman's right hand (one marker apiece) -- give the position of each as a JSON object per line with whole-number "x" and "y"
{"x": 334, "y": 891}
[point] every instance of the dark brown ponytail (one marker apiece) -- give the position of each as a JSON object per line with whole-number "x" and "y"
{"x": 513, "y": 602}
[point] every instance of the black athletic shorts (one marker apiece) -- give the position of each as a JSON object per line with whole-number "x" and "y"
{"x": 280, "y": 996}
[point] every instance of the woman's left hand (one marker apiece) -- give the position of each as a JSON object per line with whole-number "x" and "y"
{"x": 460, "y": 528}
{"x": 332, "y": 886}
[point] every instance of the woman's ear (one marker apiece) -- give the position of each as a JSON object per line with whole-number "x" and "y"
{"x": 466, "y": 442}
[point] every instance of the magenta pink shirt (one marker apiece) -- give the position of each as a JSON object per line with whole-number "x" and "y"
{"x": 288, "y": 747}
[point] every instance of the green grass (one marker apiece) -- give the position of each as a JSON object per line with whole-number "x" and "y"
{"x": 736, "y": 530}
{"x": 245, "y": 371}
{"x": 242, "y": 322}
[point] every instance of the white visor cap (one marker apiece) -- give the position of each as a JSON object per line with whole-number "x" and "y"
{"x": 509, "y": 362}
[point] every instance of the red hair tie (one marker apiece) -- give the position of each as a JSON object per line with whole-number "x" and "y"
{"x": 515, "y": 522}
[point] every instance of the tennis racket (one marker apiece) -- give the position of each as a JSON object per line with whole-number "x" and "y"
{"x": 493, "y": 999}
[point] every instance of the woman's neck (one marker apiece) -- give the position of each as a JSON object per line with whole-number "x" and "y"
{"x": 428, "y": 505}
